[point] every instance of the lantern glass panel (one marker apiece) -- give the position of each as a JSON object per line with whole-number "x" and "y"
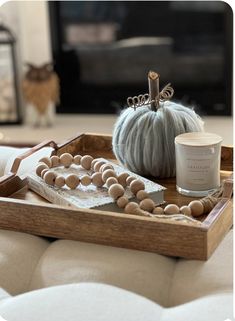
{"x": 7, "y": 91}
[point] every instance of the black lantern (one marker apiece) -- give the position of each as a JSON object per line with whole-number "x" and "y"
{"x": 9, "y": 88}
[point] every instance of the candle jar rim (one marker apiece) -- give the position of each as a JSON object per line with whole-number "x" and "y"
{"x": 198, "y": 139}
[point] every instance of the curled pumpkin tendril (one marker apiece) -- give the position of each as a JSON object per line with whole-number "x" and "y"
{"x": 142, "y": 100}
{"x": 166, "y": 93}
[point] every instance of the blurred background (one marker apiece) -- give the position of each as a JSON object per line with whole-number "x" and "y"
{"x": 102, "y": 52}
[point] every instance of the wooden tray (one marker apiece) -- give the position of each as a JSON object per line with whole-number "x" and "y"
{"x": 27, "y": 212}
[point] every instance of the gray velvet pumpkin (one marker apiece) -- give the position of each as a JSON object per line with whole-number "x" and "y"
{"x": 143, "y": 139}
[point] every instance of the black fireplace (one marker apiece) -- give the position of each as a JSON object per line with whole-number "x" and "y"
{"x": 103, "y": 51}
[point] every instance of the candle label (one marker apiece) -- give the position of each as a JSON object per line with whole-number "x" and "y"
{"x": 197, "y": 168}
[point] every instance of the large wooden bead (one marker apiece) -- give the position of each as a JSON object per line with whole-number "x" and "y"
{"x": 85, "y": 180}
{"x": 129, "y": 180}
{"x": 158, "y": 210}
{"x": 122, "y": 201}
{"x": 95, "y": 160}
{"x": 50, "y": 177}
{"x": 186, "y": 210}
{"x": 86, "y": 161}
{"x": 197, "y": 208}
{"x": 46, "y": 160}
{"x": 110, "y": 181}
{"x": 105, "y": 166}
{"x": 147, "y": 205}
{"x": 43, "y": 172}
{"x": 141, "y": 195}
{"x": 122, "y": 179}
{"x": 108, "y": 173}
{"x": 171, "y": 209}
{"x": 97, "y": 180}
{"x": 55, "y": 161}
{"x": 60, "y": 181}
{"x": 131, "y": 208}
{"x": 72, "y": 181}
{"x": 77, "y": 159}
{"x": 98, "y": 165}
{"x": 116, "y": 191}
{"x": 136, "y": 186}
{"x": 40, "y": 168}
{"x": 66, "y": 159}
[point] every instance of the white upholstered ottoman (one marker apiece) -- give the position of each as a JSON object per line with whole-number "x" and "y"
{"x": 193, "y": 288}
{"x": 99, "y": 302}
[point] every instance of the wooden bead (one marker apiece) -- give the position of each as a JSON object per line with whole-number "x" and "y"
{"x": 141, "y": 195}
{"x": 55, "y": 161}
{"x": 136, "y": 186}
{"x": 158, "y": 210}
{"x": 95, "y": 160}
{"x": 110, "y": 181}
{"x": 186, "y": 210}
{"x": 40, "y": 168}
{"x": 129, "y": 180}
{"x": 147, "y": 205}
{"x": 96, "y": 179}
{"x": 98, "y": 165}
{"x": 171, "y": 209}
{"x": 86, "y": 161}
{"x": 43, "y": 172}
{"x": 196, "y": 207}
{"x": 66, "y": 160}
{"x": 105, "y": 166}
{"x": 122, "y": 179}
{"x": 50, "y": 177}
{"x": 108, "y": 173}
{"x": 131, "y": 208}
{"x": 116, "y": 190}
{"x": 122, "y": 201}
{"x": 47, "y": 161}
{"x": 60, "y": 181}
{"x": 72, "y": 181}
{"x": 77, "y": 159}
{"x": 85, "y": 180}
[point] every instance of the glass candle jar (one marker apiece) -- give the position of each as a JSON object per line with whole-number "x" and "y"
{"x": 197, "y": 163}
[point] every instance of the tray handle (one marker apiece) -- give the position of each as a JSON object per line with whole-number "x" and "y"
{"x": 10, "y": 182}
{"x": 51, "y": 143}
{"x": 31, "y": 151}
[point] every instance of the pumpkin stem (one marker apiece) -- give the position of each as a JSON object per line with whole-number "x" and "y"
{"x": 153, "y": 81}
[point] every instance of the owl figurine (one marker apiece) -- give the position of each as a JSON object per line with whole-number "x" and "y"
{"x": 41, "y": 93}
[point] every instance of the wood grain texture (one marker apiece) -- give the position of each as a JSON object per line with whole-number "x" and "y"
{"x": 221, "y": 226}
{"x": 227, "y": 158}
{"x": 107, "y": 228}
{"x": 27, "y": 212}
{"x": 10, "y": 184}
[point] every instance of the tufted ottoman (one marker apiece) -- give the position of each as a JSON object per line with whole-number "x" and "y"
{"x": 99, "y": 302}
{"x": 195, "y": 289}
{"x": 69, "y": 280}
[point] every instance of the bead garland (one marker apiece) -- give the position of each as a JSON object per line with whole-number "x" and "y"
{"x": 104, "y": 173}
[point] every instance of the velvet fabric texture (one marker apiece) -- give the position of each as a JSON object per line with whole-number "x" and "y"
{"x": 143, "y": 140}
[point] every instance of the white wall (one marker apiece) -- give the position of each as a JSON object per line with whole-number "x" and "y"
{"x": 30, "y": 22}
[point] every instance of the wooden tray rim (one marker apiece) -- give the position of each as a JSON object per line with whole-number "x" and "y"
{"x": 205, "y": 225}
